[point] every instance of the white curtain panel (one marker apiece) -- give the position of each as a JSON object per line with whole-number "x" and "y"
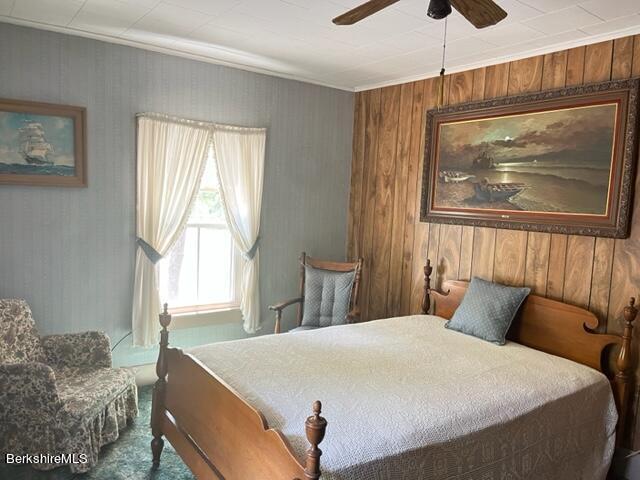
{"x": 239, "y": 154}
{"x": 170, "y": 161}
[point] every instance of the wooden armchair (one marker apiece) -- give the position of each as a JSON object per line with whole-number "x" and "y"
{"x": 352, "y": 313}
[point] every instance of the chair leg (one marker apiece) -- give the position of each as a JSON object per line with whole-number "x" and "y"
{"x": 157, "y": 444}
{"x": 278, "y": 320}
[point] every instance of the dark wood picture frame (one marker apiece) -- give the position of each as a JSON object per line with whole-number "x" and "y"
{"x": 79, "y": 117}
{"x": 614, "y": 223}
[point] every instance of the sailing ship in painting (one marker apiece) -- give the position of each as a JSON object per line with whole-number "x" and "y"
{"x": 33, "y": 144}
{"x": 35, "y": 147}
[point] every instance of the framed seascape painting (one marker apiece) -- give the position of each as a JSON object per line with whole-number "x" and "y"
{"x": 558, "y": 161}
{"x": 42, "y": 144}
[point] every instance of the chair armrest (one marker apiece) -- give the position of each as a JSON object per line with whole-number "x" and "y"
{"x": 88, "y": 349}
{"x": 278, "y": 309}
{"x": 28, "y": 394}
{"x": 282, "y": 305}
{"x": 354, "y": 315}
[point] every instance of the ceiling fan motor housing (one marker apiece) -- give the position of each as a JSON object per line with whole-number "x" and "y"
{"x": 439, "y": 9}
{"x": 481, "y": 13}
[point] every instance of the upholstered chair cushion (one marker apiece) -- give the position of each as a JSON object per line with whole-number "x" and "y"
{"x": 19, "y": 340}
{"x": 327, "y": 296}
{"x": 487, "y": 310}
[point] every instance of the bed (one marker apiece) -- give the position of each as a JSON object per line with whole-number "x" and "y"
{"x": 405, "y": 398}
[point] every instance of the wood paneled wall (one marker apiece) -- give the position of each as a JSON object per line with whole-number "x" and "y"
{"x": 384, "y": 212}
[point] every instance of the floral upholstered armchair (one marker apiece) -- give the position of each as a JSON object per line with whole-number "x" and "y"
{"x": 58, "y": 393}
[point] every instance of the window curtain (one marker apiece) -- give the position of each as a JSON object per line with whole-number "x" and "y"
{"x": 239, "y": 154}
{"x": 170, "y": 161}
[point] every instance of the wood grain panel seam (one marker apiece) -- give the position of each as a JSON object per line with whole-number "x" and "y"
{"x": 573, "y": 301}
{"x": 606, "y": 318}
{"x": 461, "y": 237}
{"x": 486, "y": 85}
{"x": 564, "y": 269}
{"x": 583, "y": 53}
{"x": 635, "y": 62}
{"x": 526, "y": 249}
{"x": 406, "y": 196}
{"x": 548, "y": 265}
{"x": 584, "y": 69}
{"x": 546, "y": 273}
{"x": 460, "y": 253}
{"x": 392, "y": 206}
{"x": 593, "y": 268}
{"x": 436, "y": 261}
{"x": 355, "y": 200}
{"x": 412, "y": 226}
{"x": 493, "y": 262}
{"x": 380, "y": 194}
{"x": 541, "y": 75}
{"x": 612, "y": 56}
{"x": 373, "y": 151}
{"x": 363, "y": 125}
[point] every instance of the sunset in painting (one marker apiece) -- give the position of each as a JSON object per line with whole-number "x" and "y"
{"x": 553, "y": 161}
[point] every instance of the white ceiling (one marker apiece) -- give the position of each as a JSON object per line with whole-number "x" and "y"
{"x": 296, "y": 39}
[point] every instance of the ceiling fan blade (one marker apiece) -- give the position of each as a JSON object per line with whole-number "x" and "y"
{"x": 363, "y": 11}
{"x": 481, "y": 13}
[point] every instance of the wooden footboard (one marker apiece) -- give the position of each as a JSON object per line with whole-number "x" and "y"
{"x": 215, "y": 431}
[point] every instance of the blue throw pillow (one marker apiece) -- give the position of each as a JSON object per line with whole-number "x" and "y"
{"x": 487, "y": 310}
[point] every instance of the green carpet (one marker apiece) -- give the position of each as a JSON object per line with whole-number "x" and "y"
{"x": 128, "y": 458}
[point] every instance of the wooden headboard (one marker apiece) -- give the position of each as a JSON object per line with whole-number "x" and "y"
{"x": 559, "y": 329}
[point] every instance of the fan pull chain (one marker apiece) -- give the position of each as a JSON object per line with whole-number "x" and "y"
{"x": 442, "y": 70}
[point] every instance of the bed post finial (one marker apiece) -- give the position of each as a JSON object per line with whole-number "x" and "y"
{"x": 426, "y": 300}
{"x": 624, "y": 374}
{"x": 315, "y": 428}
{"x": 157, "y": 408}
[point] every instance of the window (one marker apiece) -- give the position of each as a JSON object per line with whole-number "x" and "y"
{"x": 201, "y": 271}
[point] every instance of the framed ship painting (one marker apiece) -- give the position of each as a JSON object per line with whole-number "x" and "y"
{"x": 42, "y": 144}
{"x": 558, "y": 161}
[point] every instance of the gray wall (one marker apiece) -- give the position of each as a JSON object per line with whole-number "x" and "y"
{"x": 70, "y": 252}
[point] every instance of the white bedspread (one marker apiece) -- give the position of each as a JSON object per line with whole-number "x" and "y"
{"x": 406, "y": 398}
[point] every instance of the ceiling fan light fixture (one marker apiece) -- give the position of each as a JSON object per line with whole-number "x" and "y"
{"x": 439, "y": 9}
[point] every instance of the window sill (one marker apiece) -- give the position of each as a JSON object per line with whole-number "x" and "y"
{"x": 208, "y": 317}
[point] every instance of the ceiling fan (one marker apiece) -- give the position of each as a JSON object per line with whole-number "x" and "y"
{"x": 481, "y": 13}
